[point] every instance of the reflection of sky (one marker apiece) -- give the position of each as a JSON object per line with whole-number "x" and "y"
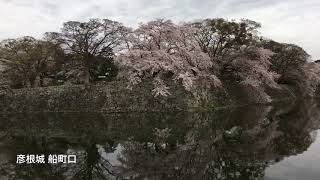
{"x": 111, "y": 157}
{"x": 305, "y": 166}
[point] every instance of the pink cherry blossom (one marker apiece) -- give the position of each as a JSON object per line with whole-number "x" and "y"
{"x": 159, "y": 48}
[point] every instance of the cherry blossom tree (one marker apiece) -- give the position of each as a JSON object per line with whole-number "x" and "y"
{"x": 159, "y": 50}
{"x": 253, "y": 68}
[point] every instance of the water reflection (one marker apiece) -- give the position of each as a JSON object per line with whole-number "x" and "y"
{"x": 242, "y": 143}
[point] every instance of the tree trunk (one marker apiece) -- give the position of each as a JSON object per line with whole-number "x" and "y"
{"x": 87, "y": 61}
{"x": 87, "y": 75}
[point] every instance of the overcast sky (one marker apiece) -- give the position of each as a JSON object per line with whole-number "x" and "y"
{"x": 291, "y": 21}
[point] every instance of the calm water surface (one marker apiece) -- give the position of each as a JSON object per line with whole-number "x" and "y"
{"x": 280, "y": 142}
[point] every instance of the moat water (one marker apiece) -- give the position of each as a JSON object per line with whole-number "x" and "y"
{"x": 280, "y": 142}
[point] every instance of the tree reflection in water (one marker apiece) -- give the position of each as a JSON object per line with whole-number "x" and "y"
{"x": 158, "y": 146}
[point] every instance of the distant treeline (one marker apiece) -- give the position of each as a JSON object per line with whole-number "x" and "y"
{"x": 217, "y": 51}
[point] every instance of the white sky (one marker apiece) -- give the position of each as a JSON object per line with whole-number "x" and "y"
{"x": 291, "y": 21}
